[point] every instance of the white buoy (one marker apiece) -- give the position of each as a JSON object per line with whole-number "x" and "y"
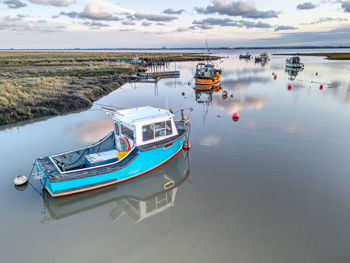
{"x": 20, "y": 180}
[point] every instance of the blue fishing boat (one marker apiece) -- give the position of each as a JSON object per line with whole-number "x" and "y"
{"x": 143, "y": 139}
{"x": 139, "y": 198}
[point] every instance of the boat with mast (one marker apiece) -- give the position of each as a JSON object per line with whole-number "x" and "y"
{"x": 206, "y": 73}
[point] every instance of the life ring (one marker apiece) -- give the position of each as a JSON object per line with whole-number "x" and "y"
{"x": 124, "y": 144}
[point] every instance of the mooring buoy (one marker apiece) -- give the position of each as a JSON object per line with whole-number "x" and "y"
{"x": 20, "y": 180}
{"x": 186, "y": 146}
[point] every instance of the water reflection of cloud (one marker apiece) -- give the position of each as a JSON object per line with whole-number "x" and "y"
{"x": 294, "y": 128}
{"x": 244, "y": 71}
{"x": 210, "y": 141}
{"x": 89, "y": 131}
{"x": 242, "y": 83}
{"x": 173, "y": 82}
{"x": 231, "y": 105}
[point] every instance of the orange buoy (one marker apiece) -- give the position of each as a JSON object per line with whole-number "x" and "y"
{"x": 289, "y": 86}
{"x": 275, "y": 77}
{"x": 321, "y": 87}
{"x": 235, "y": 116}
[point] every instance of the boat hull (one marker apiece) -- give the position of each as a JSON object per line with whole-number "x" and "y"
{"x": 142, "y": 162}
{"x": 207, "y": 81}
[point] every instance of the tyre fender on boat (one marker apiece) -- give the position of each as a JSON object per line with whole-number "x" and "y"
{"x": 124, "y": 144}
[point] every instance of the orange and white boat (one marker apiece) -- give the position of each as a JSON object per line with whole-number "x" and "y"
{"x": 207, "y": 74}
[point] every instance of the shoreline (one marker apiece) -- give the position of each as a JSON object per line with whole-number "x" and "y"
{"x": 330, "y": 56}
{"x": 39, "y": 84}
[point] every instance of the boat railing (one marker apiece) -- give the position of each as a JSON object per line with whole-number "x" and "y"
{"x": 150, "y": 117}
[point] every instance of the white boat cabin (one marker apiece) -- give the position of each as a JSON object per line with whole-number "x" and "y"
{"x": 142, "y": 125}
{"x": 204, "y": 69}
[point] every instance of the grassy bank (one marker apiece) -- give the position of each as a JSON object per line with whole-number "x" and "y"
{"x": 331, "y": 56}
{"x": 34, "y": 84}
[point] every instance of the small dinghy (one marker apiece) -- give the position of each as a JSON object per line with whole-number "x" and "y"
{"x": 143, "y": 139}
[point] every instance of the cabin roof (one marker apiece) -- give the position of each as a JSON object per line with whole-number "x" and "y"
{"x": 140, "y": 114}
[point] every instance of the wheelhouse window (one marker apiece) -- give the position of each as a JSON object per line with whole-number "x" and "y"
{"x": 148, "y": 132}
{"x": 116, "y": 126}
{"x": 169, "y": 128}
{"x": 158, "y": 129}
{"x": 128, "y": 132}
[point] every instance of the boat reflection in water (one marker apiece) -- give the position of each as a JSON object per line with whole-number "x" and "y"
{"x": 205, "y": 98}
{"x": 293, "y": 72}
{"x": 215, "y": 87}
{"x": 139, "y": 198}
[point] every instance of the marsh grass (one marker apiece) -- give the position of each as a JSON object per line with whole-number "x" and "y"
{"x": 34, "y": 84}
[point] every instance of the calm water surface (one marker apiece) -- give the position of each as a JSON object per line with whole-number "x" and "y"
{"x": 272, "y": 187}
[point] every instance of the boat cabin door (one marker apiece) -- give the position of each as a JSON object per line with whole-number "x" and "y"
{"x": 121, "y": 131}
{"x": 117, "y": 135}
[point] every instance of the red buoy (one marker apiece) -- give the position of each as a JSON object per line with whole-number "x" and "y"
{"x": 321, "y": 87}
{"x": 289, "y": 86}
{"x": 275, "y": 77}
{"x": 235, "y": 116}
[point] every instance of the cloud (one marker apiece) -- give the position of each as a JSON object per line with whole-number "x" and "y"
{"x": 250, "y": 24}
{"x": 72, "y": 14}
{"x": 156, "y": 18}
{"x": 171, "y": 11}
{"x": 14, "y": 4}
{"x": 346, "y": 6}
{"x": 58, "y": 3}
{"x": 91, "y": 12}
{"x": 338, "y": 36}
{"x": 17, "y": 24}
{"x": 128, "y": 23}
{"x": 241, "y": 8}
{"x": 325, "y": 20}
{"x": 279, "y": 28}
{"x": 305, "y": 6}
{"x": 229, "y": 23}
{"x": 145, "y": 23}
{"x": 182, "y": 29}
{"x": 94, "y": 24}
{"x": 94, "y": 12}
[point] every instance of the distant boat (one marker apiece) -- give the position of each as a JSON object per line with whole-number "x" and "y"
{"x": 294, "y": 62}
{"x": 245, "y": 56}
{"x": 143, "y": 139}
{"x": 264, "y": 57}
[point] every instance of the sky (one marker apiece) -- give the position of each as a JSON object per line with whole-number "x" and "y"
{"x": 144, "y": 24}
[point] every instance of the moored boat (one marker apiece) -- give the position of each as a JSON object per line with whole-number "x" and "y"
{"x": 143, "y": 139}
{"x": 294, "y": 62}
{"x": 207, "y": 74}
{"x": 245, "y": 56}
{"x": 264, "y": 57}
